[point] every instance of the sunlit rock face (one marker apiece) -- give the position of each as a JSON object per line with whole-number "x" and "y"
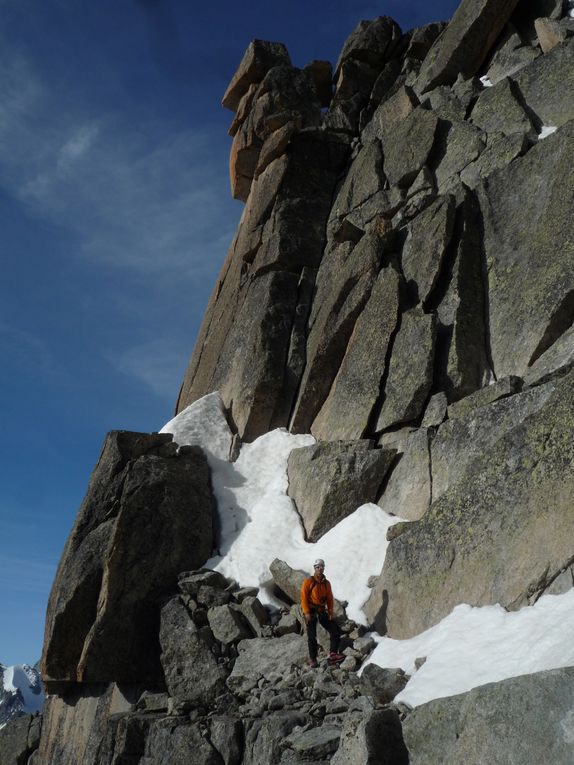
{"x": 388, "y": 351}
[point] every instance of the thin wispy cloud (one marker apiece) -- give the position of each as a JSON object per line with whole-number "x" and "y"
{"x": 148, "y": 197}
{"x": 27, "y": 575}
{"x": 157, "y": 364}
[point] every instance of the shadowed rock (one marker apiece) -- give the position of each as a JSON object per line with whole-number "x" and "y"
{"x": 145, "y": 518}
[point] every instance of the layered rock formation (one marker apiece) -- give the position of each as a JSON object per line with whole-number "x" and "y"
{"x": 401, "y": 286}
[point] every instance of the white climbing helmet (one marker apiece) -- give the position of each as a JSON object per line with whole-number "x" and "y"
{"x": 319, "y": 562}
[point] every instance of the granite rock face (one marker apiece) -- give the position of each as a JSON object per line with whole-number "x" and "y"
{"x": 528, "y": 249}
{"x": 147, "y": 515}
{"x": 513, "y": 505}
{"x": 465, "y": 43}
{"x": 401, "y": 287}
{"x": 478, "y": 726}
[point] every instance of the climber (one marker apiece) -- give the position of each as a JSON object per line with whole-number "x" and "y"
{"x": 317, "y": 605}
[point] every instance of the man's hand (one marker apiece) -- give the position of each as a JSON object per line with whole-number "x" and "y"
{"x": 308, "y": 618}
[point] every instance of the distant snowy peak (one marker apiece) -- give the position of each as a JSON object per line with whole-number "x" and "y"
{"x": 21, "y": 692}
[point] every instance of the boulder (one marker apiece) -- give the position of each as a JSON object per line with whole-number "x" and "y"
{"x": 261, "y": 657}
{"x": 265, "y": 737}
{"x": 258, "y": 59}
{"x": 371, "y": 42}
{"x": 498, "y": 722}
{"x": 371, "y": 738}
{"x": 510, "y": 58}
{"x": 390, "y": 113}
{"x": 428, "y": 237}
{"x": 407, "y": 492}
{"x": 381, "y": 684}
{"x": 363, "y": 180}
{"x": 228, "y": 624}
{"x": 171, "y": 741}
{"x": 330, "y": 480}
{"x": 498, "y": 110}
{"x": 465, "y": 43}
{"x": 528, "y": 247}
{"x": 145, "y": 518}
{"x": 285, "y": 96}
{"x": 460, "y": 144}
{"x": 499, "y": 536}
{"x": 227, "y": 736}
{"x": 344, "y": 284}
{"x": 255, "y": 613}
{"x": 525, "y": 14}
{"x": 543, "y": 83}
{"x": 422, "y": 39}
{"x": 406, "y": 149}
{"x": 410, "y": 369}
{"x": 315, "y": 742}
{"x": 354, "y": 82}
{"x": 499, "y": 152}
{"x": 249, "y": 373}
{"x": 190, "y": 582}
{"x": 192, "y": 673}
{"x": 549, "y": 33}
{"x": 346, "y": 413}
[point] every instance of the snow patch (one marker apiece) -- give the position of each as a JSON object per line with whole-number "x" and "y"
{"x": 475, "y": 646}
{"x": 546, "y": 131}
{"x": 259, "y": 522}
{"x": 204, "y": 424}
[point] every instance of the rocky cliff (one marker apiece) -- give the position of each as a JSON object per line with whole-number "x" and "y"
{"x": 401, "y": 287}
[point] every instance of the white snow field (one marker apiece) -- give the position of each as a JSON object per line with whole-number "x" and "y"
{"x": 259, "y": 522}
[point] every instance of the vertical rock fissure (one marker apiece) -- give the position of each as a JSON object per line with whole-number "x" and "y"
{"x": 485, "y": 289}
{"x": 371, "y": 429}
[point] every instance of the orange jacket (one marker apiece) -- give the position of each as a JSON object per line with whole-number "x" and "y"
{"x": 316, "y": 595}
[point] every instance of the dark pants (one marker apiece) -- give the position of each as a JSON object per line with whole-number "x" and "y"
{"x": 331, "y": 627}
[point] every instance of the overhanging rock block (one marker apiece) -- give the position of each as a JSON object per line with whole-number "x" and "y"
{"x": 147, "y": 515}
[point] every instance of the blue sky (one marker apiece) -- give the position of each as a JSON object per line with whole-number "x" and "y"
{"x": 115, "y": 216}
